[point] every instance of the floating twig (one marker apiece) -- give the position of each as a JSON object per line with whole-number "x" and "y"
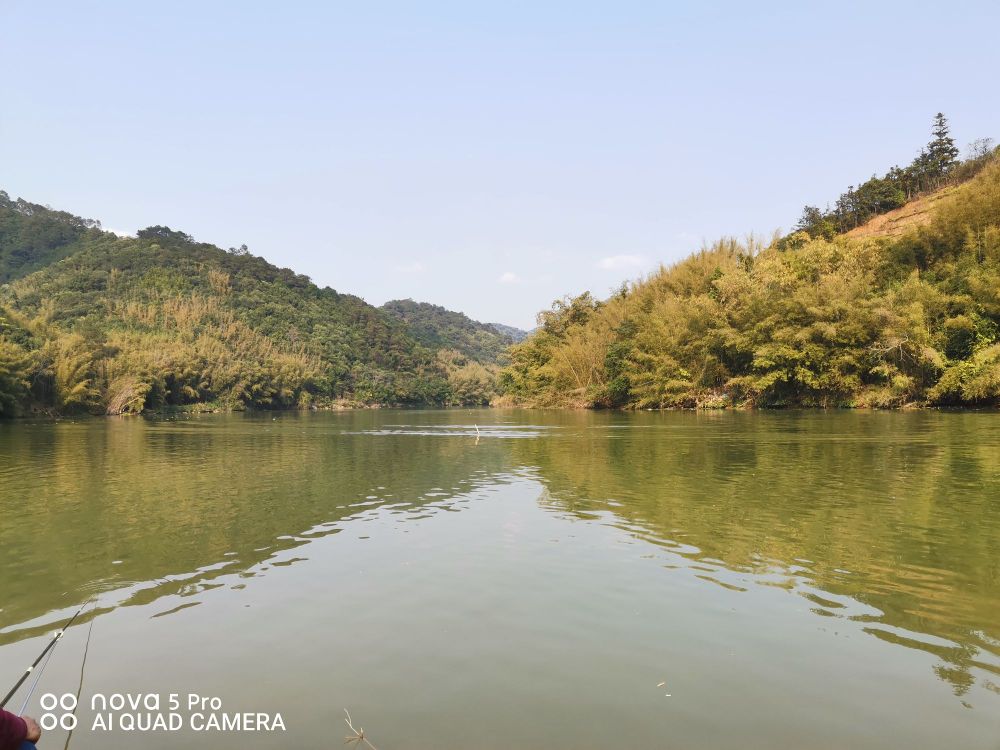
{"x": 359, "y": 734}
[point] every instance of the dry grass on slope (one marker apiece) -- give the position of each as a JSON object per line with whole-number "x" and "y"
{"x": 917, "y": 212}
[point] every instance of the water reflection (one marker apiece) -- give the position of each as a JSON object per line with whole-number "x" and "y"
{"x": 890, "y": 521}
{"x": 145, "y": 509}
{"x": 887, "y": 519}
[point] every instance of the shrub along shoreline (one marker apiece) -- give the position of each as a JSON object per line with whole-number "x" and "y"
{"x": 802, "y": 321}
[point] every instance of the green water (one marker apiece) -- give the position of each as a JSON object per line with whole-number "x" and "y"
{"x": 795, "y": 579}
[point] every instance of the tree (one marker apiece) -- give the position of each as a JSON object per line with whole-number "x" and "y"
{"x": 15, "y": 365}
{"x": 816, "y": 223}
{"x": 161, "y": 234}
{"x": 942, "y": 150}
{"x": 980, "y": 148}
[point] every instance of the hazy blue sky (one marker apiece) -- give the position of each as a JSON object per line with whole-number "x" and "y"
{"x": 487, "y": 157}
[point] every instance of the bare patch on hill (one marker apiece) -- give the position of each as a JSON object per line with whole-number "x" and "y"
{"x": 917, "y": 212}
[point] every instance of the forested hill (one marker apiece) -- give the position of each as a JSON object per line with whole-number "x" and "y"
{"x": 515, "y": 334}
{"x": 438, "y": 328}
{"x": 819, "y": 318}
{"x": 33, "y": 236}
{"x": 105, "y": 323}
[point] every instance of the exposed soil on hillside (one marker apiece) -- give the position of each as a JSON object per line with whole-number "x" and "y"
{"x": 915, "y": 213}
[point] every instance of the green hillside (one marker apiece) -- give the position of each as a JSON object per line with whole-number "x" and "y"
{"x": 159, "y": 320}
{"x": 824, "y": 319}
{"x": 33, "y": 236}
{"x": 438, "y": 328}
{"x": 517, "y": 335}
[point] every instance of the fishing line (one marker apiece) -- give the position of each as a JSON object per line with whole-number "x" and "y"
{"x": 79, "y": 689}
{"x": 46, "y": 652}
{"x": 34, "y": 682}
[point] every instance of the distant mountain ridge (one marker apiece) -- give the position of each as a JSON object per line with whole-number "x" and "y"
{"x": 438, "y": 328}
{"x": 516, "y": 335}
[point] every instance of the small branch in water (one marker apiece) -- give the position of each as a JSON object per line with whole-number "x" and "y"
{"x": 359, "y": 734}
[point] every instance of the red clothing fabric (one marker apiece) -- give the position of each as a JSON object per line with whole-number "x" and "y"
{"x": 13, "y": 730}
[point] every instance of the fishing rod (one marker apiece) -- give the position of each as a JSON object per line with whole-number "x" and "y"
{"x": 56, "y": 637}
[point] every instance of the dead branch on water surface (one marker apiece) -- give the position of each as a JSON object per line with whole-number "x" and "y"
{"x": 359, "y": 734}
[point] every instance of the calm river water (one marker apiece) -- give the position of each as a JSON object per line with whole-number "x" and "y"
{"x": 563, "y": 580}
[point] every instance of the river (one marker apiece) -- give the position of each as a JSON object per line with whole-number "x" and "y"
{"x": 515, "y": 579}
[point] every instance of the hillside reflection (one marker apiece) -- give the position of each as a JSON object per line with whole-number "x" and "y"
{"x": 890, "y": 520}
{"x": 147, "y": 509}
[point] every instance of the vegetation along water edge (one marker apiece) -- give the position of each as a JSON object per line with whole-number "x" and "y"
{"x": 891, "y": 298}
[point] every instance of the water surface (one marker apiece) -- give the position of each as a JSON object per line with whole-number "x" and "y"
{"x": 499, "y": 579}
